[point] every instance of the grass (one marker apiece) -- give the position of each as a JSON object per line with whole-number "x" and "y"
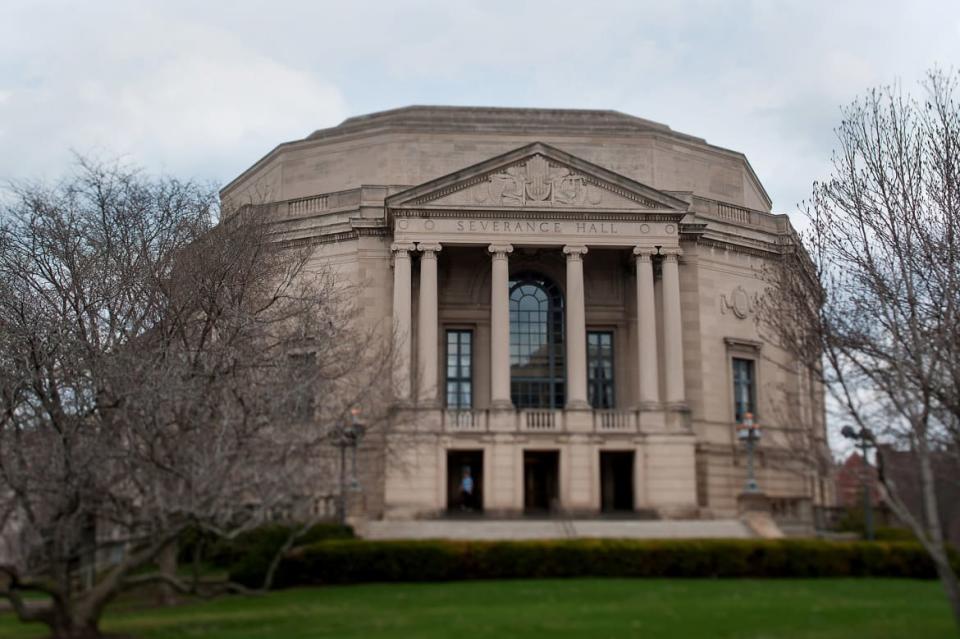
{"x": 594, "y": 608}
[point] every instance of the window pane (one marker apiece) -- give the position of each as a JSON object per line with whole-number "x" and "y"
{"x": 744, "y": 392}
{"x": 536, "y": 342}
{"x": 600, "y": 371}
{"x": 459, "y": 369}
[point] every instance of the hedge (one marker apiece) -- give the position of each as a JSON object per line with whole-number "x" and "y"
{"x": 356, "y": 561}
{"x": 250, "y": 553}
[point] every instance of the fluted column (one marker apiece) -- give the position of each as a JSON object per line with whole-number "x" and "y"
{"x": 576, "y": 320}
{"x": 500, "y": 327}
{"x": 649, "y": 388}
{"x": 402, "y": 318}
{"x": 427, "y": 324}
{"x": 672, "y": 329}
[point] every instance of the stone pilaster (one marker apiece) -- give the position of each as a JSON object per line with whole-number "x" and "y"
{"x": 427, "y": 325}
{"x": 500, "y": 327}
{"x": 672, "y": 330}
{"x": 647, "y": 368}
{"x": 402, "y": 319}
{"x": 576, "y": 321}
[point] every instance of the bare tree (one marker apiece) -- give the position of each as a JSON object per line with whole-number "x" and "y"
{"x": 872, "y": 305}
{"x": 159, "y": 372}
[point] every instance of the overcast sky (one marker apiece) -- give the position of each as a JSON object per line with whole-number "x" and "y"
{"x": 204, "y": 89}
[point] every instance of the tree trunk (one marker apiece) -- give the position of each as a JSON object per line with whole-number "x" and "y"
{"x": 76, "y": 630}
{"x": 64, "y": 625}
{"x": 168, "y": 566}
{"x": 951, "y": 587}
{"x": 948, "y": 578}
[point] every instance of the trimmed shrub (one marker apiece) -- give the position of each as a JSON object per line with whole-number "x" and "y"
{"x": 249, "y": 554}
{"x": 356, "y": 561}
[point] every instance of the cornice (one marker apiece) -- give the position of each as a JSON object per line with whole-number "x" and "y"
{"x": 332, "y": 238}
{"x": 615, "y": 215}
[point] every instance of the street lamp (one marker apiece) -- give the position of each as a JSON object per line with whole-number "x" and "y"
{"x": 864, "y": 440}
{"x": 749, "y": 434}
{"x": 348, "y": 435}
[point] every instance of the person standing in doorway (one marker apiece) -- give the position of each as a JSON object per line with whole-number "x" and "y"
{"x": 466, "y": 490}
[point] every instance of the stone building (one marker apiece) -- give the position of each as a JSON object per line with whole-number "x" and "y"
{"x": 574, "y": 294}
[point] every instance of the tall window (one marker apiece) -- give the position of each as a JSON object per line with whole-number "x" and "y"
{"x": 600, "y": 368}
{"x": 459, "y": 369}
{"x": 536, "y": 342}
{"x": 744, "y": 394}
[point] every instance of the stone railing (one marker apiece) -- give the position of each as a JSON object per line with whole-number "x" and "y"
{"x": 307, "y": 205}
{"x": 733, "y": 213}
{"x": 465, "y": 420}
{"x": 611, "y": 420}
{"x": 541, "y": 419}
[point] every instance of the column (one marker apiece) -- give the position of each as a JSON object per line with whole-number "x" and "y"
{"x": 427, "y": 324}
{"x": 500, "y": 327}
{"x": 576, "y": 320}
{"x": 401, "y": 319}
{"x": 672, "y": 329}
{"x": 649, "y": 388}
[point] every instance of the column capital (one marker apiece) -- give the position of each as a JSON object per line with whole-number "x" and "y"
{"x": 575, "y": 251}
{"x": 429, "y": 249}
{"x": 500, "y": 251}
{"x": 644, "y": 253}
{"x": 403, "y": 247}
{"x": 671, "y": 254}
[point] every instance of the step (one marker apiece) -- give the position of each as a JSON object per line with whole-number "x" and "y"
{"x": 556, "y": 529}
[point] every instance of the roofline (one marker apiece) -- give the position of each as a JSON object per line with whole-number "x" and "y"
{"x": 386, "y": 121}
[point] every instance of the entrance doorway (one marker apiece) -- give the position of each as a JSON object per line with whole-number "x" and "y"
{"x": 616, "y": 481}
{"x": 541, "y": 485}
{"x": 465, "y": 471}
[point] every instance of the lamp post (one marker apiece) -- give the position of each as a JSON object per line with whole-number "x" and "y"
{"x": 864, "y": 440}
{"x": 749, "y": 434}
{"x": 348, "y": 435}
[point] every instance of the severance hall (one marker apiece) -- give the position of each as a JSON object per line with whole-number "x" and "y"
{"x": 574, "y": 294}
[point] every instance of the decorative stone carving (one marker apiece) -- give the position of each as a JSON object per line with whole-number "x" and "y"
{"x": 539, "y": 182}
{"x": 740, "y": 303}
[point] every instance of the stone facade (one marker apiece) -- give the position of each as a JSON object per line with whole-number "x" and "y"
{"x": 651, "y": 242}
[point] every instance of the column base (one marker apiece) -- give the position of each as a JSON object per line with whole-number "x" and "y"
{"x": 501, "y": 404}
{"x": 677, "y": 406}
{"x": 578, "y": 405}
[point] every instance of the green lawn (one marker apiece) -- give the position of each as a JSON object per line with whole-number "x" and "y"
{"x": 594, "y": 608}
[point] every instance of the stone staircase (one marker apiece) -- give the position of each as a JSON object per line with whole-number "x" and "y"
{"x": 492, "y": 529}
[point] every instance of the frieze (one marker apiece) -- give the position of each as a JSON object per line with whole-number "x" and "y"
{"x": 530, "y": 226}
{"x": 532, "y": 231}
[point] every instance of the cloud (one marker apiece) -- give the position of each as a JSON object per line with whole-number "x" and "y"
{"x": 173, "y": 95}
{"x": 208, "y": 88}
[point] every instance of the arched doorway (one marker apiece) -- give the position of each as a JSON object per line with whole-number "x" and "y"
{"x": 536, "y": 342}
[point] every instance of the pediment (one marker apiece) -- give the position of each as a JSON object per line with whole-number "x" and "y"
{"x": 536, "y": 176}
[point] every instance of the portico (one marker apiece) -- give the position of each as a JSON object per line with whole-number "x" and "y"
{"x": 427, "y": 392}
{"x": 524, "y": 215}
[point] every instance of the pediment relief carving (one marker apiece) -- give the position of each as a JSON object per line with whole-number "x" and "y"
{"x": 536, "y": 182}
{"x": 539, "y": 181}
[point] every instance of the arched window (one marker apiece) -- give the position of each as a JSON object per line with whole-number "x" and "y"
{"x": 536, "y": 342}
